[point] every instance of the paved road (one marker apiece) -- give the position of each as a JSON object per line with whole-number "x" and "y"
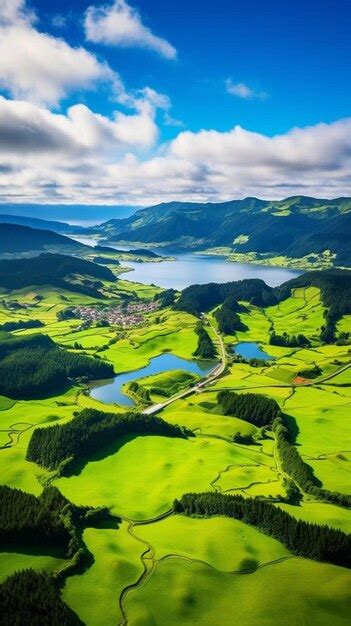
{"x": 210, "y": 378}
{"x": 218, "y": 371}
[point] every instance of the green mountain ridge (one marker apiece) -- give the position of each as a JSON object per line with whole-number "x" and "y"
{"x": 297, "y": 226}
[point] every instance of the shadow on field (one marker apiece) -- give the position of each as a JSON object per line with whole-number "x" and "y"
{"x": 78, "y": 465}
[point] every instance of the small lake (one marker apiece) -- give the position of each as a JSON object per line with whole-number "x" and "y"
{"x": 251, "y": 350}
{"x": 111, "y": 391}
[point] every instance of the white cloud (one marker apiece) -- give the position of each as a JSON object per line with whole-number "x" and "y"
{"x": 88, "y": 158}
{"x": 15, "y": 11}
{"x": 241, "y": 90}
{"x": 120, "y": 24}
{"x": 42, "y": 68}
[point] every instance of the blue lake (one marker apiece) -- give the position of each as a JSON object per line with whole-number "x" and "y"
{"x": 251, "y": 350}
{"x": 111, "y": 391}
{"x": 190, "y": 269}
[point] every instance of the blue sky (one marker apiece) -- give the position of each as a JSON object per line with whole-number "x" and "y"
{"x": 174, "y": 99}
{"x": 297, "y": 52}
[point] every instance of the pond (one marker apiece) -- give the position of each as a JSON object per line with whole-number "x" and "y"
{"x": 251, "y": 350}
{"x": 111, "y": 391}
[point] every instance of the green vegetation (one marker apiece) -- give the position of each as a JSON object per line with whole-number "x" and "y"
{"x": 34, "y": 366}
{"x": 251, "y": 407}
{"x": 32, "y": 598}
{"x": 59, "y": 447}
{"x": 205, "y": 346}
{"x": 315, "y": 542}
{"x": 55, "y": 270}
{"x": 270, "y": 438}
{"x": 227, "y": 317}
{"x": 201, "y": 298}
{"x": 21, "y": 324}
{"x": 295, "y": 228}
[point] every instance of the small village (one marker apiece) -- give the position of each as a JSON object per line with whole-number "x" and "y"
{"x": 126, "y": 316}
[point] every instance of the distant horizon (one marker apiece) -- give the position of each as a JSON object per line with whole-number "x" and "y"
{"x": 67, "y": 213}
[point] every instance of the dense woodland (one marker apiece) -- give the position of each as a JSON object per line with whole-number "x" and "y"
{"x": 34, "y": 366}
{"x": 227, "y": 317}
{"x": 52, "y": 269}
{"x": 201, "y": 298}
{"x": 59, "y": 446}
{"x": 44, "y": 521}
{"x": 251, "y": 407}
{"x": 32, "y": 599}
{"x": 320, "y": 543}
{"x": 205, "y": 347}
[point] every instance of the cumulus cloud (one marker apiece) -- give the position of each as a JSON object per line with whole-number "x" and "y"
{"x": 84, "y": 157}
{"x": 27, "y": 129}
{"x": 42, "y": 68}
{"x": 120, "y": 24}
{"x": 241, "y": 90}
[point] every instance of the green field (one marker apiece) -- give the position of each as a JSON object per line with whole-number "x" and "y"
{"x": 152, "y": 567}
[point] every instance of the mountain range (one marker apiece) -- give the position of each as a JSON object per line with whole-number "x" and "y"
{"x": 294, "y": 227}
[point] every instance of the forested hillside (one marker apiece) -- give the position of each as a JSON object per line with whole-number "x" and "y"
{"x": 52, "y": 269}
{"x": 34, "y": 366}
{"x": 296, "y": 226}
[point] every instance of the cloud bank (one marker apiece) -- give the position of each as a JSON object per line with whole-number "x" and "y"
{"x": 50, "y": 153}
{"x": 84, "y": 157}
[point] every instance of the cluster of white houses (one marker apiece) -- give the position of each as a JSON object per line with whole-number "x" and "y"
{"x": 130, "y": 315}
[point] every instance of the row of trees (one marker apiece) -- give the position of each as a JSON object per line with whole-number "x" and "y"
{"x": 59, "y": 446}
{"x": 300, "y": 472}
{"x": 251, "y": 407}
{"x": 320, "y": 543}
{"x": 34, "y": 366}
{"x": 289, "y": 341}
{"x": 33, "y": 598}
{"x": 205, "y": 346}
{"x": 21, "y": 324}
{"x": 227, "y": 317}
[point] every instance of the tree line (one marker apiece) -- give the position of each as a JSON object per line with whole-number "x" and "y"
{"x": 21, "y": 324}
{"x": 33, "y": 366}
{"x": 312, "y": 541}
{"x": 289, "y": 341}
{"x": 251, "y": 407}
{"x": 59, "y": 446}
{"x": 205, "y": 347}
{"x": 300, "y": 472}
{"x": 227, "y": 317}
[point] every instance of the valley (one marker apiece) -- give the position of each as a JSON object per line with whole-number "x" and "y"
{"x": 141, "y": 560}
